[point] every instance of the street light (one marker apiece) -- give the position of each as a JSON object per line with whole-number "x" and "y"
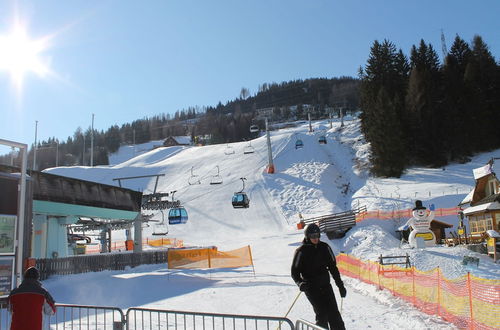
{"x": 34, "y": 148}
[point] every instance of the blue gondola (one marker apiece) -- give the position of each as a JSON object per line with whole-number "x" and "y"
{"x": 177, "y": 215}
{"x": 240, "y": 199}
{"x": 299, "y": 144}
{"x": 322, "y": 139}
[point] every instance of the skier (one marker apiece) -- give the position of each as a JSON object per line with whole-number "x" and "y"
{"x": 312, "y": 265}
{"x": 27, "y": 302}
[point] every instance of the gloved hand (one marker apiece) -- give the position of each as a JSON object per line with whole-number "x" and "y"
{"x": 304, "y": 286}
{"x": 342, "y": 290}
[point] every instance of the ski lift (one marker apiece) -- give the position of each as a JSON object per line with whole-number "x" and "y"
{"x": 322, "y": 139}
{"x": 249, "y": 149}
{"x": 193, "y": 179}
{"x": 216, "y": 179}
{"x": 178, "y": 214}
{"x": 161, "y": 229}
{"x": 240, "y": 198}
{"x": 229, "y": 150}
{"x": 254, "y": 129}
{"x": 299, "y": 144}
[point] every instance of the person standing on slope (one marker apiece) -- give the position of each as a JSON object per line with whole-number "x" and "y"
{"x": 28, "y": 301}
{"x": 312, "y": 265}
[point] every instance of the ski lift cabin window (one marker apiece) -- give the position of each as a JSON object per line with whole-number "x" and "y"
{"x": 177, "y": 215}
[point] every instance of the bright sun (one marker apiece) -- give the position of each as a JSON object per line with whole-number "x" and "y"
{"x": 20, "y": 55}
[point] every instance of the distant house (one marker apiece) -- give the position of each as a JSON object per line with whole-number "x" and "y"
{"x": 177, "y": 141}
{"x": 483, "y": 211}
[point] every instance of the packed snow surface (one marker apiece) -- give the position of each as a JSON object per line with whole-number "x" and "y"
{"x": 315, "y": 180}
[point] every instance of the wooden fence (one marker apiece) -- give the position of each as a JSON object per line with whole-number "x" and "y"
{"x": 97, "y": 263}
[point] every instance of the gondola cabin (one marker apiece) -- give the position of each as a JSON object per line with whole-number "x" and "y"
{"x": 240, "y": 200}
{"x": 254, "y": 129}
{"x": 177, "y": 215}
{"x": 299, "y": 144}
{"x": 322, "y": 139}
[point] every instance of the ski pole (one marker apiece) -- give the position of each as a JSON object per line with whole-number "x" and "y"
{"x": 298, "y": 295}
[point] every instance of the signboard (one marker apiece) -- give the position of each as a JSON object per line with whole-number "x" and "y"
{"x": 6, "y": 275}
{"x": 7, "y": 234}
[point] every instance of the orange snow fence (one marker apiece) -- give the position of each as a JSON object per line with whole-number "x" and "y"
{"x": 469, "y": 302}
{"x": 209, "y": 258}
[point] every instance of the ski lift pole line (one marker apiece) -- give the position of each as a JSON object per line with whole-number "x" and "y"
{"x": 139, "y": 177}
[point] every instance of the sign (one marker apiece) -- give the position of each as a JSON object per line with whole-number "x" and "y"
{"x": 7, "y": 233}
{"x": 6, "y": 275}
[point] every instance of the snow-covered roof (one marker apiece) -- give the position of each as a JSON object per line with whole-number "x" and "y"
{"x": 493, "y": 233}
{"x": 482, "y": 207}
{"x": 182, "y": 139}
{"x": 467, "y": 198}
{"x": 482, "y": 171}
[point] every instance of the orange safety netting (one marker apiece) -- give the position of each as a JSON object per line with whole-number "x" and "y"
{"x": 209, "y": 258}
{"x": 385, "y": 215}
{"x": 468, "y": 302}
{"x": 168, "y": 242}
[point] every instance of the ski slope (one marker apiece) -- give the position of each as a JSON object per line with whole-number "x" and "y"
{"x": 315, "y": 180}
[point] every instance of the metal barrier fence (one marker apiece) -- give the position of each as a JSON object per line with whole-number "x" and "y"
{"x": 306, "y": 325}
{"x": 73, "y": 317}
{"x": 140, "y": 318}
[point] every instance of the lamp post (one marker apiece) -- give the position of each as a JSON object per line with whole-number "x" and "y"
{"x": 92, "y": 143}
{"x": 34, "y": 148}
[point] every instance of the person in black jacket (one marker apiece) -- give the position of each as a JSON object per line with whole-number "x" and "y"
{"x": 312, "y": 265}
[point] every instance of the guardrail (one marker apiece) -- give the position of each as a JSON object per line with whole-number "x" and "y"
{"x": 141, "y": 318}
{"x": 306, "y": 325}
{"x": 72, "y": 317}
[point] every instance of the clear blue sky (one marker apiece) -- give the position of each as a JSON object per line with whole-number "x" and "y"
{"x": 125, "y": 60}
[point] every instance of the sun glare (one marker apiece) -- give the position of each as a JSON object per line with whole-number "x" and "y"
{"x": 20, "y": 55}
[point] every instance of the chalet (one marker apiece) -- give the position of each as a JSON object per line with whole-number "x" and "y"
{"x": 177, "y": 141}
{"x": 483, "y": 211}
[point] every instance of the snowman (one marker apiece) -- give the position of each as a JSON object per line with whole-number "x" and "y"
{"x": 420, "y": 223}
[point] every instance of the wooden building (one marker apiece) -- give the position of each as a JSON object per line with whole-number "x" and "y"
{"x": 483, "y": 211}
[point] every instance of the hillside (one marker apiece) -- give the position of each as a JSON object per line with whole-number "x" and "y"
{"x": 315, "y": 180}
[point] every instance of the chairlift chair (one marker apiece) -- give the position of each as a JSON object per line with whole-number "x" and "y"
{"x": 217, "y": 178}
{"x": 248, "y": 149}
{"x": 160, "y": 229}
{"x": 254, "y": 129}
{"x": 229, "y": 150}
{"x": 240, "y": 198}
{"x": 193, "y": 179}
{"x": 299, "y": 144}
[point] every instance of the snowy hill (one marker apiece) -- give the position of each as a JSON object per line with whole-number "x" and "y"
{"x": 315, "y": 180}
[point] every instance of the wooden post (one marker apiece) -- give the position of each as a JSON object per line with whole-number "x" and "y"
{"x": 413, "y": 285}
{"x": 470, "y": 301}
{"x": 439, "y": 292}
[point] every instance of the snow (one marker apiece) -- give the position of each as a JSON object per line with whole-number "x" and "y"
{"x": 315, "y": 180}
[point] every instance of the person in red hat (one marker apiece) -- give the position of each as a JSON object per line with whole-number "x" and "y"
{"x": 29, "y": 302}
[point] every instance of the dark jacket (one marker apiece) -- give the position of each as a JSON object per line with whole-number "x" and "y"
{"x": 314, "y": 264}
{"x": 27, "y": 302}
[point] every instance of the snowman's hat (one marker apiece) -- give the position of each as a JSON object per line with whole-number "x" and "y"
{"x": 418, "y": 206}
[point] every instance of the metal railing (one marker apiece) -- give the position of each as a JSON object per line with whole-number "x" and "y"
{"x": 306, "y": 325}
{"x": 73, "y": 317}
{"x": 141, "y": 318}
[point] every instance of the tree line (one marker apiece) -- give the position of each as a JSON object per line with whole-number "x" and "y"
{"x": 222, "y": 123}
{"x": 418, "y": 111}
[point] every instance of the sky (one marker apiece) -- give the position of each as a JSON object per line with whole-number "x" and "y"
{"x": 127, "y": 60}
{"x": 308, "y": 180}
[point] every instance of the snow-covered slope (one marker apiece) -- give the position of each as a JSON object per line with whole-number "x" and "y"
{"x": 317, "y": 179}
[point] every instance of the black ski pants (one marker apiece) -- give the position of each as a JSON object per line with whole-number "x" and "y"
{"x": 325, "y": 306}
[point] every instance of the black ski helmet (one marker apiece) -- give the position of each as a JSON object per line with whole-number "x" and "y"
{"x": 312, "y": 229}
{"x": 32, "y": 273}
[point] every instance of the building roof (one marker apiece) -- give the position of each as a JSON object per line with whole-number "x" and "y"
{"x": 482, "y": 207}
{"x": 182, "y": 139}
